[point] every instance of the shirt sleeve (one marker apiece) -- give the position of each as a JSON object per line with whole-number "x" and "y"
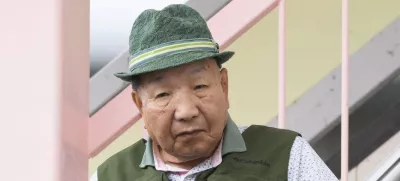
{"x": 306, "y": 165}
{"x": 94, "y": 176}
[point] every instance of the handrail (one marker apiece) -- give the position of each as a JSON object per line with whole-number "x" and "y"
{"x": 388, "y": 170}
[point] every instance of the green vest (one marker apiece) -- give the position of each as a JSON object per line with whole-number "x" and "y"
{"x": 266, "y": 158}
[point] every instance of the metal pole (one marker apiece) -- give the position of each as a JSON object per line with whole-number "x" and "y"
{"x": 345, "y": 93}
{"x": 282, "y": 70}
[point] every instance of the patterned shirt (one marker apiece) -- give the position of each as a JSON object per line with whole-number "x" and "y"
{"x": 304, "y": 164}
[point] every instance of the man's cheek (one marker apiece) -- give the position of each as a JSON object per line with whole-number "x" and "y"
{"x": 161, "y": 130}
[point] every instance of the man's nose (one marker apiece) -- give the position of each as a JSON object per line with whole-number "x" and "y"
{"x": 186, "y": 108}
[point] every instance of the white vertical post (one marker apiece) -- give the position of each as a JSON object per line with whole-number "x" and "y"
{"x": 44, "y": 51}
{"x": 345, "y": 93}
{"x": 282, "y": 63}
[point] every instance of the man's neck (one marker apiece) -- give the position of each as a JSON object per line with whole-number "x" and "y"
{"x": 187, "y": 165}
{"x": 182, "y": 162}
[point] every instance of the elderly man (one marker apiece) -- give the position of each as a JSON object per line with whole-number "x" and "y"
{"x": 181, "y": 91}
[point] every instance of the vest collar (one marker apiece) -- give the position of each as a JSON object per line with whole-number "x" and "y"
{"x": 233, "y": 142}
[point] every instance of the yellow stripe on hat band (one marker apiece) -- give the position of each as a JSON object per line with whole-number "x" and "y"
{"x": 171, "y": 48}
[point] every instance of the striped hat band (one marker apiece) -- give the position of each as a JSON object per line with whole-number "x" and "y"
{"x": 170, "y": 48}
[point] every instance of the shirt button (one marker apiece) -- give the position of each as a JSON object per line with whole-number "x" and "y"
{"x": 189, "y": 178}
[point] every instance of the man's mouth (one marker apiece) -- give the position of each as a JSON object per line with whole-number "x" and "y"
{"x": 189, "y": 133}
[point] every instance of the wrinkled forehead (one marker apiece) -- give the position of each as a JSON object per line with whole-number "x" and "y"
{"x": 196, "y": 68}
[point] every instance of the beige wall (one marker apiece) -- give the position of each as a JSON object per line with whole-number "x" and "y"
{"x": 313, "y": 49}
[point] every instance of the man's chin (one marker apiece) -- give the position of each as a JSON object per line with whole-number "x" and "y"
{"x": 193, "y": 152}
{"x": 196, "y": 147}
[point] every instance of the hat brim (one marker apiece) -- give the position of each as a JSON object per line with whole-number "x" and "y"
{"x": 170, "y": 61}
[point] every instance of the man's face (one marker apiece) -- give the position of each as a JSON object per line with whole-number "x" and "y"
{"x": 185, "y": 108}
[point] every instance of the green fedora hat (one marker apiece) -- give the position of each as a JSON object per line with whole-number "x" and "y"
{"x": 167, "y": 38}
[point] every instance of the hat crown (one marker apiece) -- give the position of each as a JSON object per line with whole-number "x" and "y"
{"x": 171, "y": 37}
{"x": 173, "y": 23}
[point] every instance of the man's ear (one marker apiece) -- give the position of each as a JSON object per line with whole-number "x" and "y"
{"x": 224, "y": 83}
{"x": 136, "y": 99}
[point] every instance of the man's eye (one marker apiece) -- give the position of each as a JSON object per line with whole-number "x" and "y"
{"x": 162, "y": 95}
{"x": 200, "y": 86}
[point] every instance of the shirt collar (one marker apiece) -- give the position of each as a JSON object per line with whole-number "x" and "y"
{"x": 232, "y": 142}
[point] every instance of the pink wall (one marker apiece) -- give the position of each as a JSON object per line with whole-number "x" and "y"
{"x": 44, "y": 95}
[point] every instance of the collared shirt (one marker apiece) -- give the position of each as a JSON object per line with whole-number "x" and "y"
{"x": 304, "y": 163}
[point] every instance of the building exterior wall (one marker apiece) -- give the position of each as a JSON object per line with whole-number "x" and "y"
{"x": 313, "y": 50}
